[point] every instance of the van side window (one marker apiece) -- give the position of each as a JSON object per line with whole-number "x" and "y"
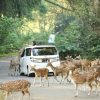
{"x": 23, "y": 53}
{"x": 35, "y": 52}
{"x": 28, "y": 52}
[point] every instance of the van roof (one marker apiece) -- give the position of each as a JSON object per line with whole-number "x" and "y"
{"x": 30, "y": 46}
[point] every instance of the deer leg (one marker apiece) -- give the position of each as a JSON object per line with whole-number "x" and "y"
{"x": 96, "y": 88}
{"x": 55, "y": 77}
{"x": 11, "y": 72}
{"x": 61, "y": 78}
{"x": 26, "y": 91}
{"x": 68, "y": 80}
{"x": 53, "y": 80}
{"x": 23, "y": 93}
{"x": 66, "y": 77}
{"x": 84, "y": 87}
{"x": 41, "y": 82}
{"x": 6, "y": 96}
{"x": 90, "y": 85}
{"x": 76, "y": 87}
{"x": 34, "y": 81}
{"x": 47, "y": 80}
{"x": 11, "y": 96}
{"x": 17, "y": 70}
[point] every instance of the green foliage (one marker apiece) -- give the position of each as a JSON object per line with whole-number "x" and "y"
{"x": 41, "y": 37}
{"x": 77, "y": 29}
{"x": 9, "y": 33}
{"x": 21, "y": 8}
{"x": 68, "y": 40}
{"x": 7, "y": 25}
{"x": 93, "y": 45}
{"x": 42, "y": 9}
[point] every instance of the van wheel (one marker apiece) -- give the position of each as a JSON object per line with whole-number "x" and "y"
{"x": 51, "y": 74}
{"x": 31, "y": 75}
{"x": 27, "y": 71}
{"x": 22, "y": 74}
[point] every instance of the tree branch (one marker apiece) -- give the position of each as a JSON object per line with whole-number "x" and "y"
{"x": 58, "y": 5}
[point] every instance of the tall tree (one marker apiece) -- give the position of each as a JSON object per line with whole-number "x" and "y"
{"x": 19, "y": 8}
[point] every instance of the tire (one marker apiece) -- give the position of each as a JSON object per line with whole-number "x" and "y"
{"x": 50, "y": 74}
{"x": 21, "y": 73}
{"x": 31, "y": 75}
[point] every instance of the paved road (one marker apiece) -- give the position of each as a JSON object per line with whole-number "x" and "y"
{"x": 53, "y": 92}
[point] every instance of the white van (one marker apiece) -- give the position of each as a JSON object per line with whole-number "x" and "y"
{"x": 38, "y": 55}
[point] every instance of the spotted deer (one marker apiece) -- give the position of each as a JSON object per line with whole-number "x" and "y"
{"x": 14, "y": 68}
{"x": 59, "y": 70}
{"x": 16, "y": 86}
{"x": 40, "y": 72}
{"x": 78, "y": 78}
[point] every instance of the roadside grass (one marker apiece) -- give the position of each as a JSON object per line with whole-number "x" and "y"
{"x": 4, "y": 57}
{"x": 8, "y": 55}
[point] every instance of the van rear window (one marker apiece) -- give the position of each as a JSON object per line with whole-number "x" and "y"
{"x": 40, "y": 51}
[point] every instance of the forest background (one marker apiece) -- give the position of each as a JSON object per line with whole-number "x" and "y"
{"x": 75, "y": 24}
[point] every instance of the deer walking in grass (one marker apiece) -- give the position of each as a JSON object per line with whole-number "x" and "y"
{"x": 41, "y": 72}
{"x": 16, "y": 86}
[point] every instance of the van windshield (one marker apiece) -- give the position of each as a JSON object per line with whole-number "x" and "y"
{"x": 40, "y": 51}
